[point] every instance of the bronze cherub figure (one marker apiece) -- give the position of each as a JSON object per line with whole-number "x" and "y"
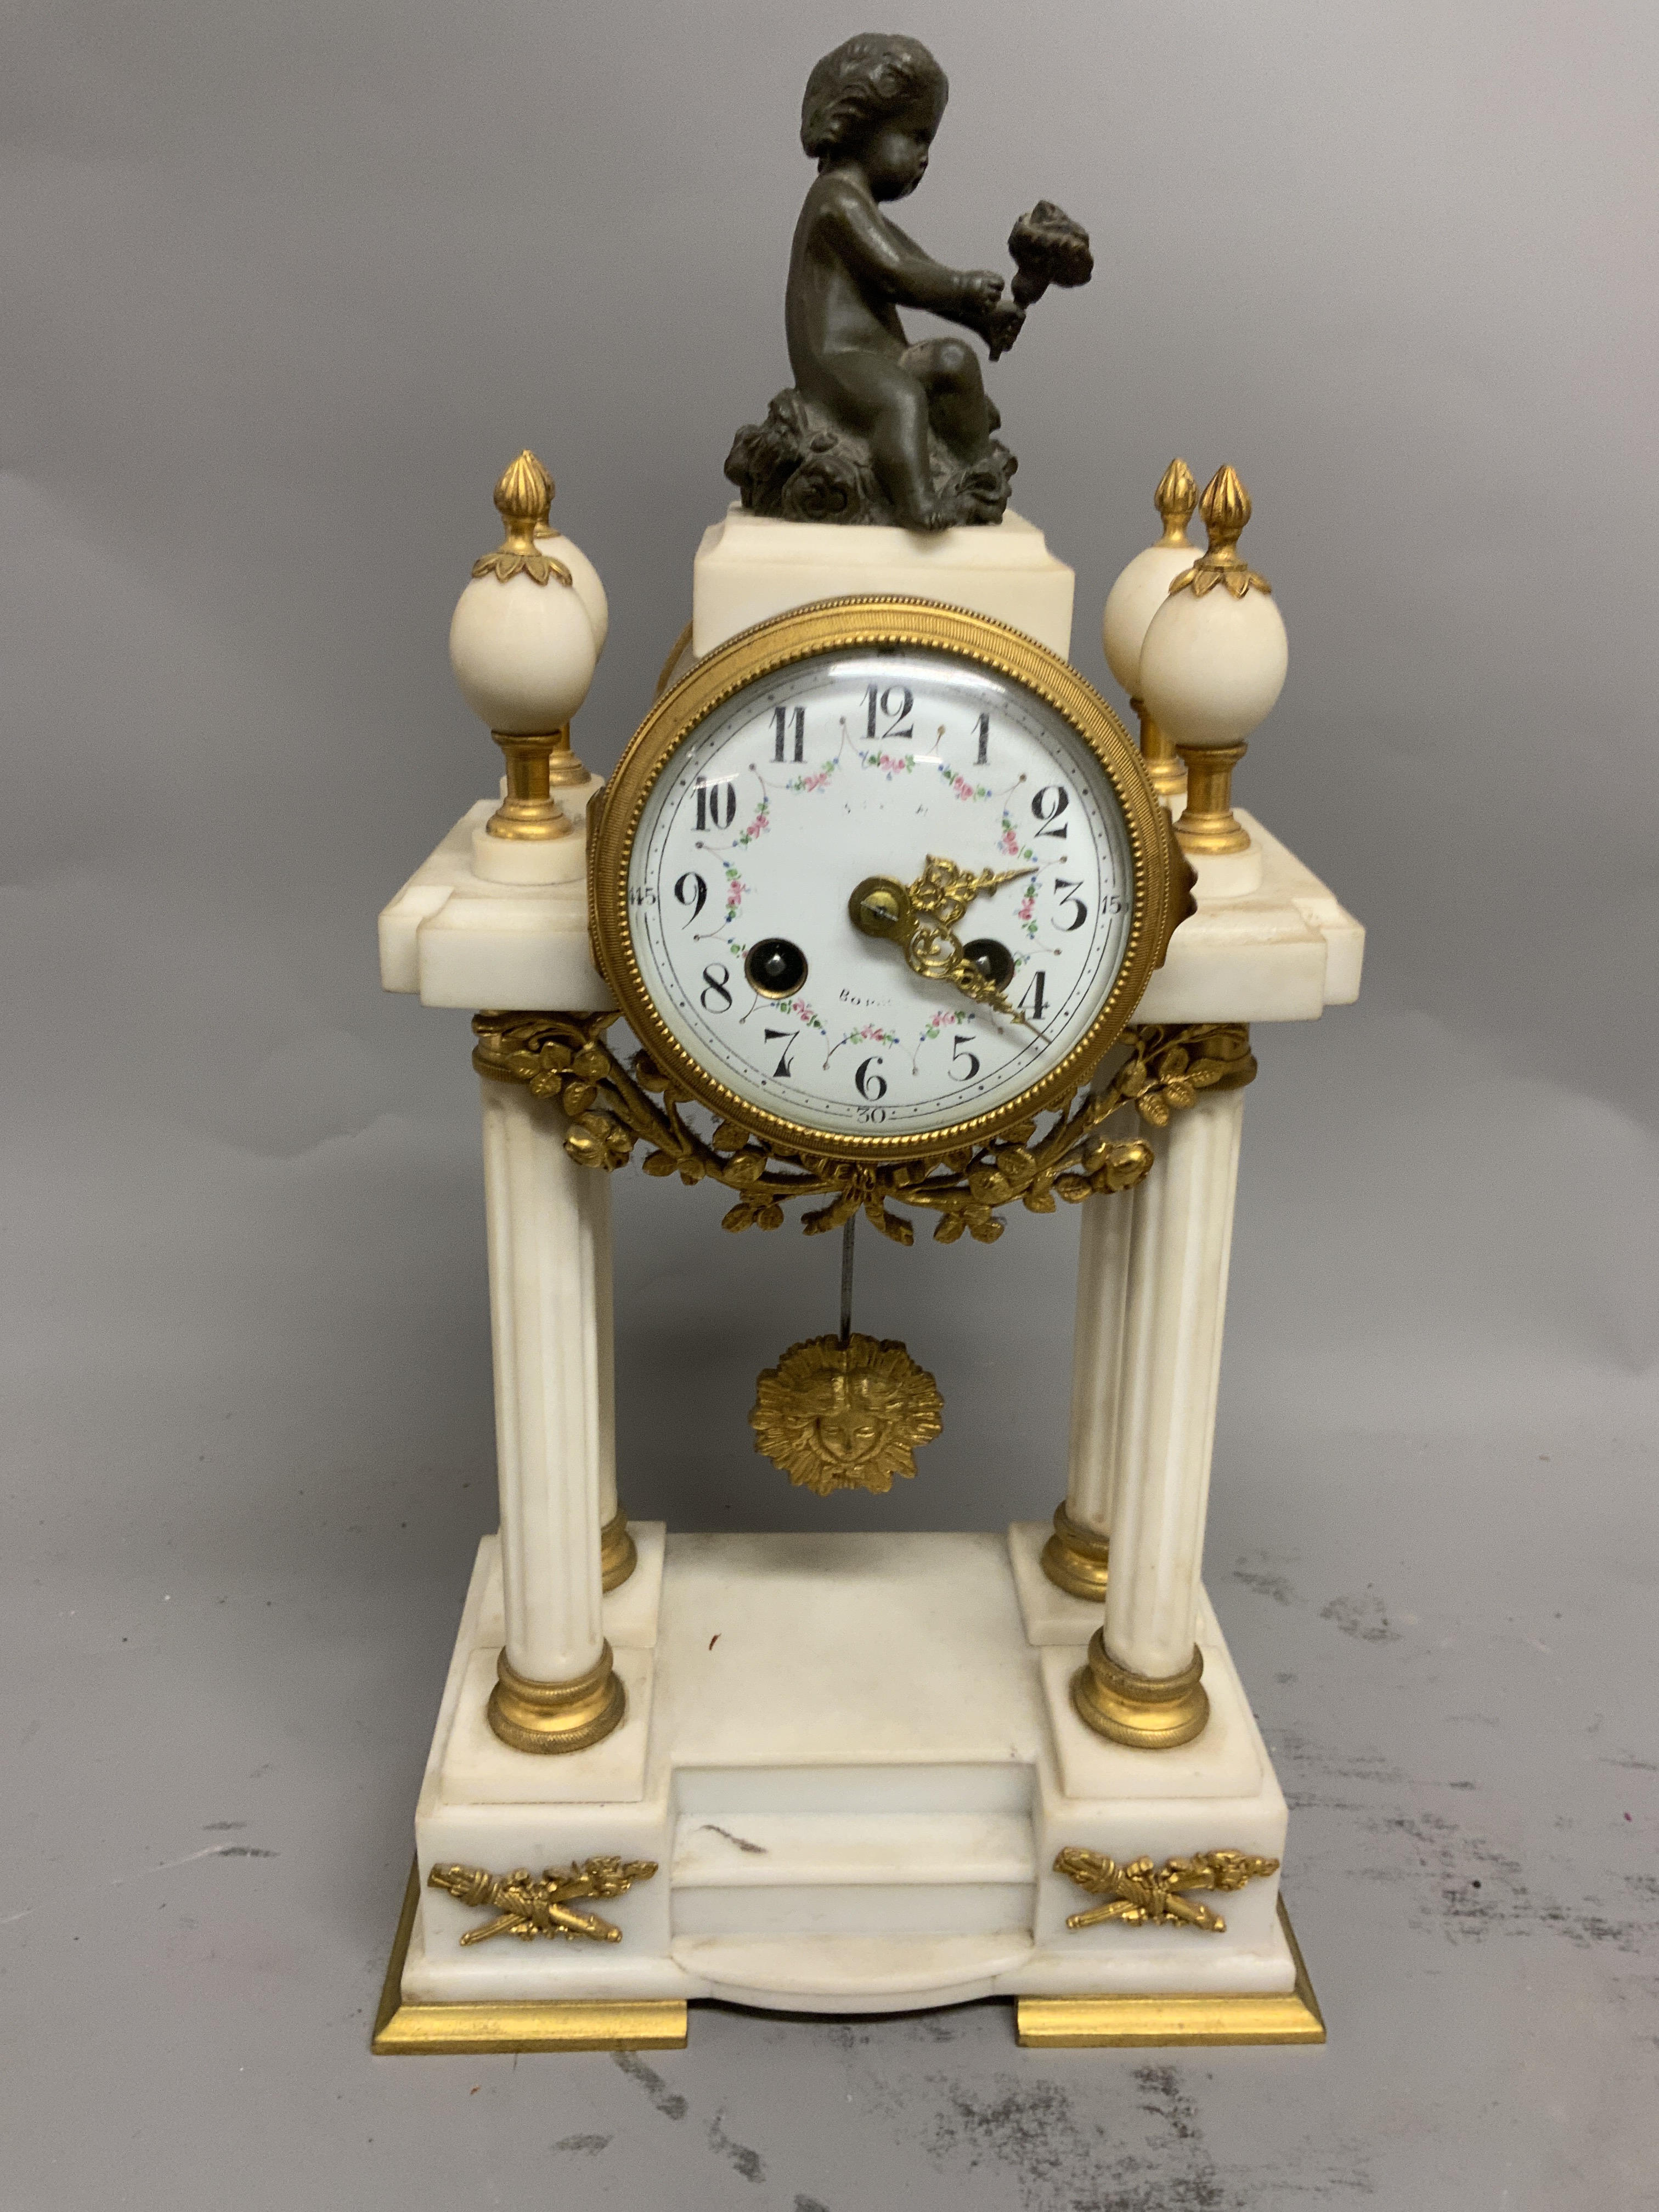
{"x": 875, "y": 429}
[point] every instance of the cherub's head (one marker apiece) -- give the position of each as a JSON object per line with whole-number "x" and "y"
{"x": 875, "y": 102}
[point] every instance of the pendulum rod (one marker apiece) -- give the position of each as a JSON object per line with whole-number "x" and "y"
{"x": 845, "y": 1412}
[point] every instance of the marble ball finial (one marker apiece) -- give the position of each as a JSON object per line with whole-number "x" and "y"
{"x": 1213, "y": 662}
{"x": 1131, "y": 603}
{"x": 1144, "y": 584}
{"x": 521, "y": 643}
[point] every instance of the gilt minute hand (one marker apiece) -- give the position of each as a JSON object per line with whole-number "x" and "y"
{"x": 946, "y": 892}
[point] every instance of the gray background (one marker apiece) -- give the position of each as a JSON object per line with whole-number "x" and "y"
{"x": 284, "y": 288}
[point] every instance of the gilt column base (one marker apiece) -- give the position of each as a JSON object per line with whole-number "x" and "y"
{"x": 618, "y": 1556}
{"x": 1074, "y": 1558}
{"x": 1149, "y": 1713}
{"x": 556, "y": 1717}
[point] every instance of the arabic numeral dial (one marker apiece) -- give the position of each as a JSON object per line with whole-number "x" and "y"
{"x": 985, "y": 839}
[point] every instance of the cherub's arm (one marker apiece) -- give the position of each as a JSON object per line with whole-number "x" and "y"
{"x": 878, "y": 252}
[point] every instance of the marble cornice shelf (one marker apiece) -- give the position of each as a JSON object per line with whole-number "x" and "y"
{"x": 1280, "y": 953}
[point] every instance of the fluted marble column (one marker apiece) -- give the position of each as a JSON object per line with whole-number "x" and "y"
{"x": 617, "y": 1555}
{"x": 1142, "y": 1685}
{"x": 549, "y": 1223}
{"x": 1075, "y": 1556}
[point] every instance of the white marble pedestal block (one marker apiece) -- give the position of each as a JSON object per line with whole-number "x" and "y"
{"x": 750, "y": 567}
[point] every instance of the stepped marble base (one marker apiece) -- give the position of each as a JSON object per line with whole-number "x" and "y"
{"x": 852, "y": 1759}
{"x": 402, "y": 2030}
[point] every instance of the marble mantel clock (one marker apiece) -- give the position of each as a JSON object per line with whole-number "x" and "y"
{"x": 883, "y": 921}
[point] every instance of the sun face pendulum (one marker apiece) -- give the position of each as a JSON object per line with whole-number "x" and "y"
{"x": 846, "y": 1413}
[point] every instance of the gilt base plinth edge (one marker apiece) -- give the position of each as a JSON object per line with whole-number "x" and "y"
{"x": 569, "y": 2024}
{"x": 1124, "y": 2020}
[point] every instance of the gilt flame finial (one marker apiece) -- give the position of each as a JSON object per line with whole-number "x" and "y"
{"x": 523, "y": 496}
{"x": 1175, "y": 499}
{"x": 525, "y": 492}
{"x": 1225, "y": 508}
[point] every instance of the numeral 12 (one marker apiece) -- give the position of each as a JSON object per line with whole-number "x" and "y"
{"x": 895, "y": 701}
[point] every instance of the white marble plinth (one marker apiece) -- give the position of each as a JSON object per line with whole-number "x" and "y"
{"x": 511, "y": 860}
{"x": 460, "y": 940}
{"x": 1281, "y": 952}
{"x": 1228, "y": 875}
{"x": 853, "y": 1761}
{"x": 1050, "y": 1614}
{"x": 750, "y": 567}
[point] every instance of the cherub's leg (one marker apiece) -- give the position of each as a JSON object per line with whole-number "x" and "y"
{"x": 960, "y": 413}
{"x": 887, "y": 405}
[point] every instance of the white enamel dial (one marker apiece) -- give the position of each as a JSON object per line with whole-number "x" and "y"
{"x": 852, "y": 764}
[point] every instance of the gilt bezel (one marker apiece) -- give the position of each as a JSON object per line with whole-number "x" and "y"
{"x": 848, "y": 625}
